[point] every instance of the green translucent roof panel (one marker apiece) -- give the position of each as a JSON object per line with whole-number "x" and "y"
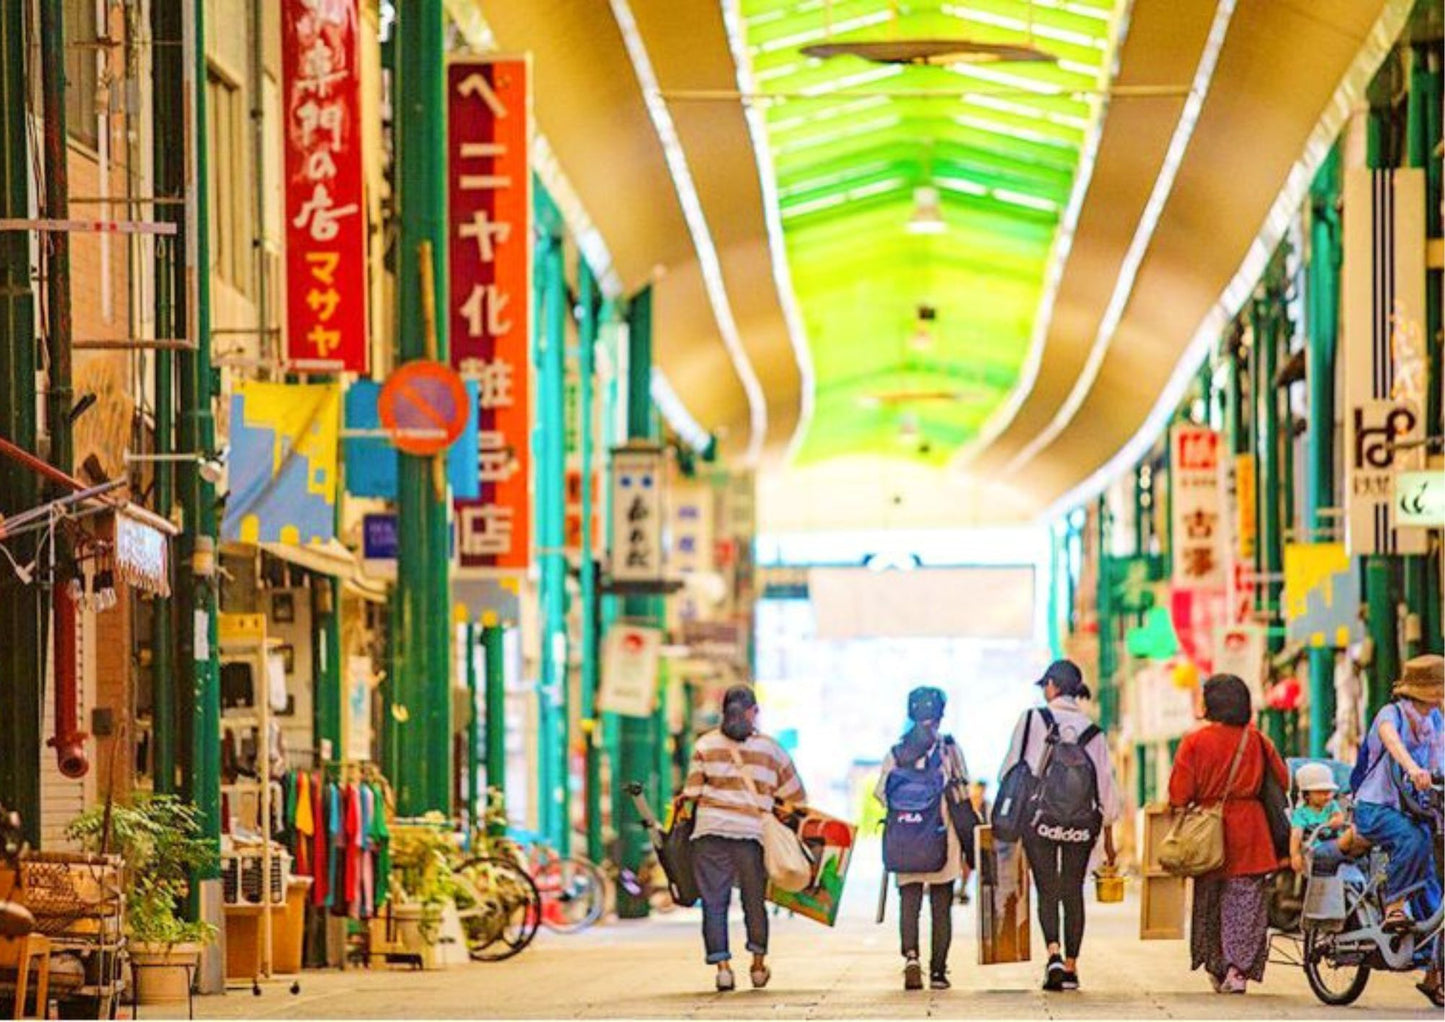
{"x": 851, "y": 141}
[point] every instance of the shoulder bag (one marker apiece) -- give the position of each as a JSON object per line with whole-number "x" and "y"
{"x": 960, "y": 807}
{"x": 1194, "y": 845}
{"x": 784, "y": 857}
{"x": 1276, "y": 804}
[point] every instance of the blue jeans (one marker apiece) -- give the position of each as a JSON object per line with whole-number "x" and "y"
{"x": 1412, "y": 857}
{"x": 718, "y": 863}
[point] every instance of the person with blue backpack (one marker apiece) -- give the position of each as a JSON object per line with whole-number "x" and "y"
{"x": 1058, "y": 795}
{"x": 924, "y": 787}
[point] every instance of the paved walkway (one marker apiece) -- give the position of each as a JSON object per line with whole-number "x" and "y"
{"x": 653, "y": 969}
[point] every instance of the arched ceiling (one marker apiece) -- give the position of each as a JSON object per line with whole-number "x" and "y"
{"x": 1098, "y": 207}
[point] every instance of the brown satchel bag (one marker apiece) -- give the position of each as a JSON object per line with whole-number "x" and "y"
{"x": 1194, "y": 845}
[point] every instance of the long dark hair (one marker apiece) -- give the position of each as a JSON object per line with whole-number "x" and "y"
{"x": 1226, "y": 700}
{"x": 925, "y": 710}
{"x": 736, "y": 706}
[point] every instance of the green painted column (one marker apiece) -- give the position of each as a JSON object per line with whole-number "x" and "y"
{"x": 588, "y": 307}
{"x": 637, "y": 744}
{"x": 1322, "y": 295}
{"x": 496, "y": 708}
{"x": 421, "y": 622}
{"x": 1108, "y": 649}
{"x": 199, "y": 706}
{"x": 1266, "y": 312}
{"x": 475, "y": 803}
{"x": 326, "y": 710}
{"x": 20, "y": 671}
{"x": 555, "y": 718}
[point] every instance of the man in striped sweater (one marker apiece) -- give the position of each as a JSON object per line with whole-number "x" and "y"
{"x": 736, "y": 775}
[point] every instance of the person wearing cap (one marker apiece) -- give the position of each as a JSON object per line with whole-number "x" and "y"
{"x": 1229, "y": 926}
{"x": 921, "y": 743}
{"x": 737, "y": 775}
{"x": 1318, "y": 815}
{"x": 1060, "y": 868}
{"x": 1409, "y": 731}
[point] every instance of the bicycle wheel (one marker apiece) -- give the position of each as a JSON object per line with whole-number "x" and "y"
{"x": 574, "y": 894}
{"x": 504, "y": 909}
{"x": 1334, "y": 982}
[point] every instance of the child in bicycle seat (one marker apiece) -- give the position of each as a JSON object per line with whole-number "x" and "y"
{"x": 1318, "y": 815}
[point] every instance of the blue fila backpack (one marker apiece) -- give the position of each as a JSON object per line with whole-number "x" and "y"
{"x": 915, "y": 832}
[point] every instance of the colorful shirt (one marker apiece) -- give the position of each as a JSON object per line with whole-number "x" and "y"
{"x": 726, "y": 805}
{"x": 1422, "y": 735}
{"x": 1307, "y": 818}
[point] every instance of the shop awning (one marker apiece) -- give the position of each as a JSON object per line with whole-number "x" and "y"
{"x": 334, "y": 559}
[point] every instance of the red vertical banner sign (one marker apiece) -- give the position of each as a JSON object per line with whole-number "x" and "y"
{"x": 325, "y": 207}
{"x": 489, "y": 257}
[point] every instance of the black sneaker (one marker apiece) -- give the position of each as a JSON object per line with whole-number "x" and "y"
{"x": 1071, "y": 980}
{"x": 1054, "y": 974}
{"x": 939, "y": 981}
{"x": 912, "y": 975}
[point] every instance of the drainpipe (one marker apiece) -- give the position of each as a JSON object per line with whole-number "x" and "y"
{"x": 68, "y": 741}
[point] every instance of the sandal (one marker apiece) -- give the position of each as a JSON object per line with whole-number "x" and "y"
{"x": 760, "y": 975}
{"x": 725, "y": 981}
{"x": 1395, "y": 921}
{"x": 1434, "y": 992}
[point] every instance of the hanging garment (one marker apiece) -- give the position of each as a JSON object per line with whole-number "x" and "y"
{"x": 368, "y": 859}
{"x": 353, "y": 848}
{"x": 381, "y": 841}
{"x": 336, "y": 839}
{"x": 303, "y": 825}
{"x": 321, "y": 884}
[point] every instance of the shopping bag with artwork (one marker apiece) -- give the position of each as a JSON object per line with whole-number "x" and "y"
{"x": 829, "y": 842}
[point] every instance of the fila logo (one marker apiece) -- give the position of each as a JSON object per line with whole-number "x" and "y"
{"x": 1064, "y": 835}
{"x": 905, "y": 816}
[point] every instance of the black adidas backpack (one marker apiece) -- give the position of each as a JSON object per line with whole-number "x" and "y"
{"x": 1065, "y": 800}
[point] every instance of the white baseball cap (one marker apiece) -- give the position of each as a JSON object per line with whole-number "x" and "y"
{"x": 1315, "y": 777}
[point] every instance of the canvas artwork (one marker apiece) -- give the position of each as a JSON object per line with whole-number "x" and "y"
{"x": 830, "y": 842}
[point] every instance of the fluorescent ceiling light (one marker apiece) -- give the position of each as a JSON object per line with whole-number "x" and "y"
{"x": 927, "y": 215}
{"x": 873, "y": 74}
{"x": 1010, "y": 131}
{"x": 813, "y": 34}
{"x": 1042, "y": 30}
{"x": 1143, "y": 235}
{"x": 961, "y": 185}
{"x": 1027, "y": 201}
{"x": 702, "y": 241}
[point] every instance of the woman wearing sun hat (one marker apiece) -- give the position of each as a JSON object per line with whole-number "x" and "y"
{"x": 1409, "y": 731}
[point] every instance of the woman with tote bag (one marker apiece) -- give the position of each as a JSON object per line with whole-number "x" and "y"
{"x": 737, "y": 776}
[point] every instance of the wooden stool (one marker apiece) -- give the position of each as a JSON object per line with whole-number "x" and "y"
{"x": 23, "y": 950}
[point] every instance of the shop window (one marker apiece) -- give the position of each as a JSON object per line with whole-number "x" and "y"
{"x": 230, "y": 235}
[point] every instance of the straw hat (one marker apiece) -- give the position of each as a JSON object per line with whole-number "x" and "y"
{"x": 1424, "y": 679}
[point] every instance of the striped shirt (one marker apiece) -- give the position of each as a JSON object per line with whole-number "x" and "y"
{"x": 726, "y": 806}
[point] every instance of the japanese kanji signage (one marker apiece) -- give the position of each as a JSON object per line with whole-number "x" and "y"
{"x": 1383, "y": 321}
{"x": 1197, "y": 507}
{"x": 637, "y": 513}
{"x": 325, "y": 212}
{"x": 489, "y": 259}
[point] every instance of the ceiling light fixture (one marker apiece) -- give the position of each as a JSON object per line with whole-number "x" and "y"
{"x": 929, "y": 52}
{"x": 927, "y": 215}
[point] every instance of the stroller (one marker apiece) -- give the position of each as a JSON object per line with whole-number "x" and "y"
{"x": 1290, "y": 892}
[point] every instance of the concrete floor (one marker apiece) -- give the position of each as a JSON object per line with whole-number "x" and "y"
{"x": 654, "y": 969}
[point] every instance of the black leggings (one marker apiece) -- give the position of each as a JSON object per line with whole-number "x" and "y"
{"x": 940, "y": 910}
{"x": 1059, "y": 871}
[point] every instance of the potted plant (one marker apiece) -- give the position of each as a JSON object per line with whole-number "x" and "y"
{"x": 159, "y": 837}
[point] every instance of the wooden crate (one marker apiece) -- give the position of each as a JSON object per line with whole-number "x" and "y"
{"x": 1004, "y": 925}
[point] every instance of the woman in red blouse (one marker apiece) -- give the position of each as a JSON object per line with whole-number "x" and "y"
{"x": 1229, "y": 933}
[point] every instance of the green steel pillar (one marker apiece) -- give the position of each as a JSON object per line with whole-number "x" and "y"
{"x": 553, "y": 779}
{"x": 326, "y": 662}
{"x": 168, "y": 145}
{"x": 474, "y": 733}
{"x": 587, "y": 302}
{"x": 1322, "y": 293}
{"x": 421, "y": 622}
{"x": 496, "y": 709}
{"x": 637, "y": 745}
{"x": 20, "y": 672}
{"x": 1108, "y": 659}
{"x": 1267, "y": 312}
{"x": 199, "y": 705}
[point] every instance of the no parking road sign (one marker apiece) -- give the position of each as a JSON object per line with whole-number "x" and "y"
{"x": 424, "y": 406}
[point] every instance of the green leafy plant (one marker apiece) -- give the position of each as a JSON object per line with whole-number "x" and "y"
{"x": 160, "y": 839}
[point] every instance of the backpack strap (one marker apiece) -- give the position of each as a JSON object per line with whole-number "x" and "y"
{"x": 1090, "y": 733}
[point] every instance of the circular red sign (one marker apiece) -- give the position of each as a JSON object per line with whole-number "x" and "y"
{"x": 424, "y": 406}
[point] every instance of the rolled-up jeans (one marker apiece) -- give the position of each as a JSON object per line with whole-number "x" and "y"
{"x": 1411, "y": 870}
{"x": 719, "y": 863}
